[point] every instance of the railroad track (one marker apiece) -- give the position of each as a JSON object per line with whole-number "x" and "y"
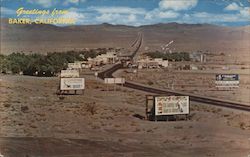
{"x": 211, "y": 101}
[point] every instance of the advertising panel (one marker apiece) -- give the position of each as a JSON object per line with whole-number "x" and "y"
{"x": 114, "y": 80}
{"x": 119, "y": 80}
{"x": 69, "y": 73}
{"x": 171, "y": 105}
{"x": 72, "y": 84}
{"x": 76, "y": 65}
{"x": 227, "y": 80}
{"x": 109, "y": 80}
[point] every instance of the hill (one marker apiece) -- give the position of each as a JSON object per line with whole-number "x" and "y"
{"x": 187, "y": 37}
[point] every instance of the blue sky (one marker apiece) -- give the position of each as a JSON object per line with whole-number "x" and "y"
{"x": 142, "y": 12}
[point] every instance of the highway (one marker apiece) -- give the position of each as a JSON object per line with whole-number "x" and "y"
{"x": 202, "y": 99}
{"x": 211, "y": 101}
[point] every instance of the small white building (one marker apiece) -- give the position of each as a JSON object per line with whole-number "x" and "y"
{"x": 79, "y": 65}
{"x": 161, "y": 62}
{"x": 164, "y": 63}
{"x": 198, "y": 57}
{"x": 193, "y": 67}
{"x": 85, "y": 65}
{"x": 108, "y": 58}
{"x": 152, "y": 63}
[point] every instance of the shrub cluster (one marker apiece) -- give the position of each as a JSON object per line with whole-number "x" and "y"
{"x": 42, "y": 65}
{"x": 175, "y": 56}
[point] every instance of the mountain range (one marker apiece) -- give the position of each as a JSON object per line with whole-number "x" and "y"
{"x": 187, "y": 37}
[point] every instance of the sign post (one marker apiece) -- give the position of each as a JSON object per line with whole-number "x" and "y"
{"x": 171, "y": 106}
{"x": 96, "y": 75}
{"x": 70, "y": 80}
{"x": 114, "y": 81}
{"x": 75, "y": 65}
{"x": 69, "y": 73}
{"x": 227, "y": 80}
{"x": 69, "y": 84}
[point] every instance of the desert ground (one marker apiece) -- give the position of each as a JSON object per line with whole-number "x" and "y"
{"x": 196, "y": 82}
{"x": 109, "y": 121}
{"x": 200, "y": 81}
{"x": 35, "y": 122}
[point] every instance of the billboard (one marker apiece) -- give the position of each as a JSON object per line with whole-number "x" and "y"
{"x": 227, "y": 80}
{"x": 69, "y": 73}
{"x": 76, "y": 65}
{"x": 171, "y": 105}
{"x": 114, "y": 80}
{"x": 72, "y": 84}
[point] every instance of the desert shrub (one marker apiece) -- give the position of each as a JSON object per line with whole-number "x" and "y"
{"x": 24, "y": 109}
{"x": 91, "y": 108}
{"x": 40, "y": 65}
{"x": 150, "y": 83}
{"x": 44, "y": 65}
{"x": 176, "y": 56}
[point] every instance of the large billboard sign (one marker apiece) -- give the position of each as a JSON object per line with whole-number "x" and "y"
{"x": 171, "y": 105}
{"x": 227, "y": 80}
{"x": 76, "y": 65}
{"x": 72, "y": 84}
{"x": 114, "y": 80}
{"x": 69, "y": 73}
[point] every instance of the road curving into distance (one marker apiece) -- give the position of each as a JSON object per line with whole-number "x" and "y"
{"x": 211, "y": 101}
{"x": 202, "y": 99}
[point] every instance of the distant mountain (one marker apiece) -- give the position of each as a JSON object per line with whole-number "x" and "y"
{"x": 186, "y": 37}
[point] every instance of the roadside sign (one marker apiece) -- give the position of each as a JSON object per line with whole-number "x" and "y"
{"x": 76, "y": 65}
{"x": 171, "y": 105}
{"x": 119, "y": 80}
{"x": 69, "y": 73}
{"x": 72, "y": 84}
{"x": 96, "y": 74}
{"x": 227, "y": 80}
{"x": 109, "y": 80}
{"x": 114, "y": 80}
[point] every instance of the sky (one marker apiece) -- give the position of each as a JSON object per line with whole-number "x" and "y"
{"x": 141, "y": 12}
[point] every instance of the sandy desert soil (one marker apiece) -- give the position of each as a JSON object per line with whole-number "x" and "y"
{"x": 36, "y": 122}
{"x": 200, "y": 82}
